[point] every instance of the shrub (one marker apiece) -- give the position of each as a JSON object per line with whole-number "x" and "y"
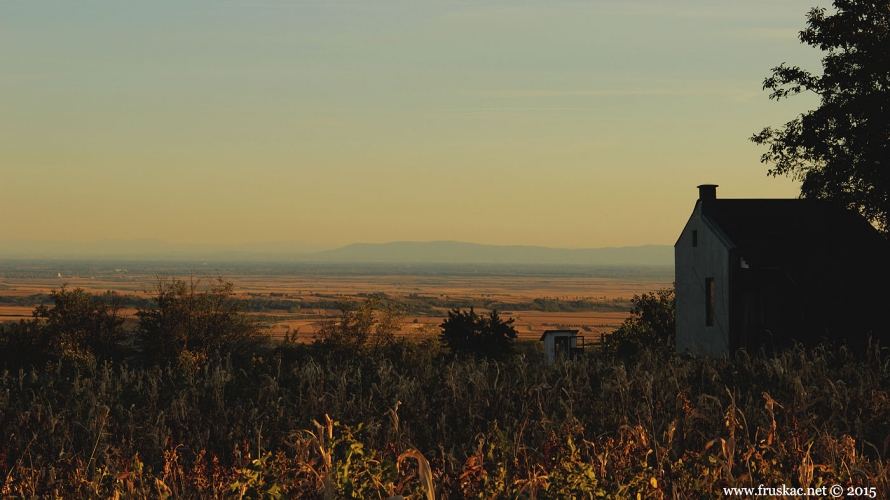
{"x": 362, "y": 328}
{"x": 78, "y": 327}
{"x": 651, "y": 325}
{"x": 83, "y": 325}
{"x": 191, "y": 320}
{"x": 25, "y": 344}
{"x": 470, "y": 333}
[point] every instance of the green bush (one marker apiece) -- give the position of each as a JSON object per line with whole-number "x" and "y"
{"x": 190, "y": 321}
{"x": 366, "y": 327}
{"x": 469, "y": 333}
{"x": 26, "y": 344}
{"x": 79, "y": 327}
{"x": 651, "y": 325}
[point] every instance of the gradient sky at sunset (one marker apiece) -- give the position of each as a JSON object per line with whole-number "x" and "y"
{"x": 569, "y": 124}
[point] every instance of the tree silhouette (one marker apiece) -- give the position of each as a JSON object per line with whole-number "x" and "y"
{"x": 78, "y": 328}
{"x": 841, "y": 150}
{"x": 363, "y": 327}
{"x": 469, "y": 333}
{"x": 189, "y": 321}
{"x": 651, "y": 324}
{"x": 82, "y": 324}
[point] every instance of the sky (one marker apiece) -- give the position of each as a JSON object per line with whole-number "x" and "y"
{"x": 553, "y": 123}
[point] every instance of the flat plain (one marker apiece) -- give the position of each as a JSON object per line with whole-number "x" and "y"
{"x": 295, "y": 302}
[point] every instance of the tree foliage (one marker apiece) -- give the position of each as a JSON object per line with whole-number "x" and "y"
{"x": 363, "y": 327}
{"x": 841, "y": 150}
{"x": 651, "y": 325}
{"x": 25, "y": 344}
{"x": 83, "y": 324}
{"x": 190, "y": 320}
{"x": 486, "y": 336}
{"x": 78, "y": 326}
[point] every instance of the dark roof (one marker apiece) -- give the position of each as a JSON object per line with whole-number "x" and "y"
{"x": 797, "y": 234}
{"x": 573, "y": 332}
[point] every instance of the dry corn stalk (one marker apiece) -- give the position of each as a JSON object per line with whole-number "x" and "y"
{"x": 426, "y": 475}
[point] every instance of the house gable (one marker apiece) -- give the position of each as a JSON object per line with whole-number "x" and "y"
{"x": 701, "y": 257}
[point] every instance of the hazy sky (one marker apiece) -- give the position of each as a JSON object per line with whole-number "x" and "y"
{"x": 556, "y": 123}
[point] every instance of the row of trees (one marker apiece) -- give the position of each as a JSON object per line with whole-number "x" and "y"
{"x": 370, "y": 327}
{"x": 186, "y": 321}
{"x": 189, "y": 320}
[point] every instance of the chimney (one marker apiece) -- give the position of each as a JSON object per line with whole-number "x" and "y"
{"x": 707, "y": 192}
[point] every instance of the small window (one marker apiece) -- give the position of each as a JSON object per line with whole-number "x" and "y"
{"x": 709, "y": 301}
{"x": 694, "y": 238}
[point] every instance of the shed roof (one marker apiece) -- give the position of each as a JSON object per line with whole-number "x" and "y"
{"x": 551, "y": 332}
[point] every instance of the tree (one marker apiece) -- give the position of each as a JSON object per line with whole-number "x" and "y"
{"x": 470, "y": 333}
{"x": 841, "y": 150}
{"x": 189, "y": 321}
{"x": 366, "y": 326}
{"x": 79, "y": 327}
{"x": 25, "y": 344}
{"x": 651, "y": 325}
{"x": 81, "y": 324}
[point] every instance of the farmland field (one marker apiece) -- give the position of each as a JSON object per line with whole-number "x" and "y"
{"x": 297, "y": 301}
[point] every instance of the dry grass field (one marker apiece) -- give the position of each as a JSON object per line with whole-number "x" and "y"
{"x": 326, "y": 290}
{"x": 8, "y": 313}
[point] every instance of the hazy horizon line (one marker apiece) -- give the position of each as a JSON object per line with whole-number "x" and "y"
{"x": 327, "y": 246}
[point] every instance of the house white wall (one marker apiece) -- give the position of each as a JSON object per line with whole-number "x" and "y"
{"x": 693, "y": 264}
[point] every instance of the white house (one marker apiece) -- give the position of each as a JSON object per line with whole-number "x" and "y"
{"x": 762, "y": 273}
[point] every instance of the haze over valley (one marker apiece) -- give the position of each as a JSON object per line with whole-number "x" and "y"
{"x": 432, "y": 252}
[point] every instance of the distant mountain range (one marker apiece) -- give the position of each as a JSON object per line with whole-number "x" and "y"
{"x": 404, "y": 252}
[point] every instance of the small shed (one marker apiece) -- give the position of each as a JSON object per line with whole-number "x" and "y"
{"x": 563, "y": 344}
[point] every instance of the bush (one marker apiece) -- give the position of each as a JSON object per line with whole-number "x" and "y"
{"x": 362, "y": 328}
{"x": 78, "y": 327}
{"x": 651, "y": 325}
{"x": 189, "y": 321}
{"x": 470, "y": 333}
{"x": 25, "y": 344}
{"x": 83, "y": 325}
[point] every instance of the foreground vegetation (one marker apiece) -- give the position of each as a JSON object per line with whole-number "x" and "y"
{"x": 293, "y": 424}
{"x": 194, "y": 402}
